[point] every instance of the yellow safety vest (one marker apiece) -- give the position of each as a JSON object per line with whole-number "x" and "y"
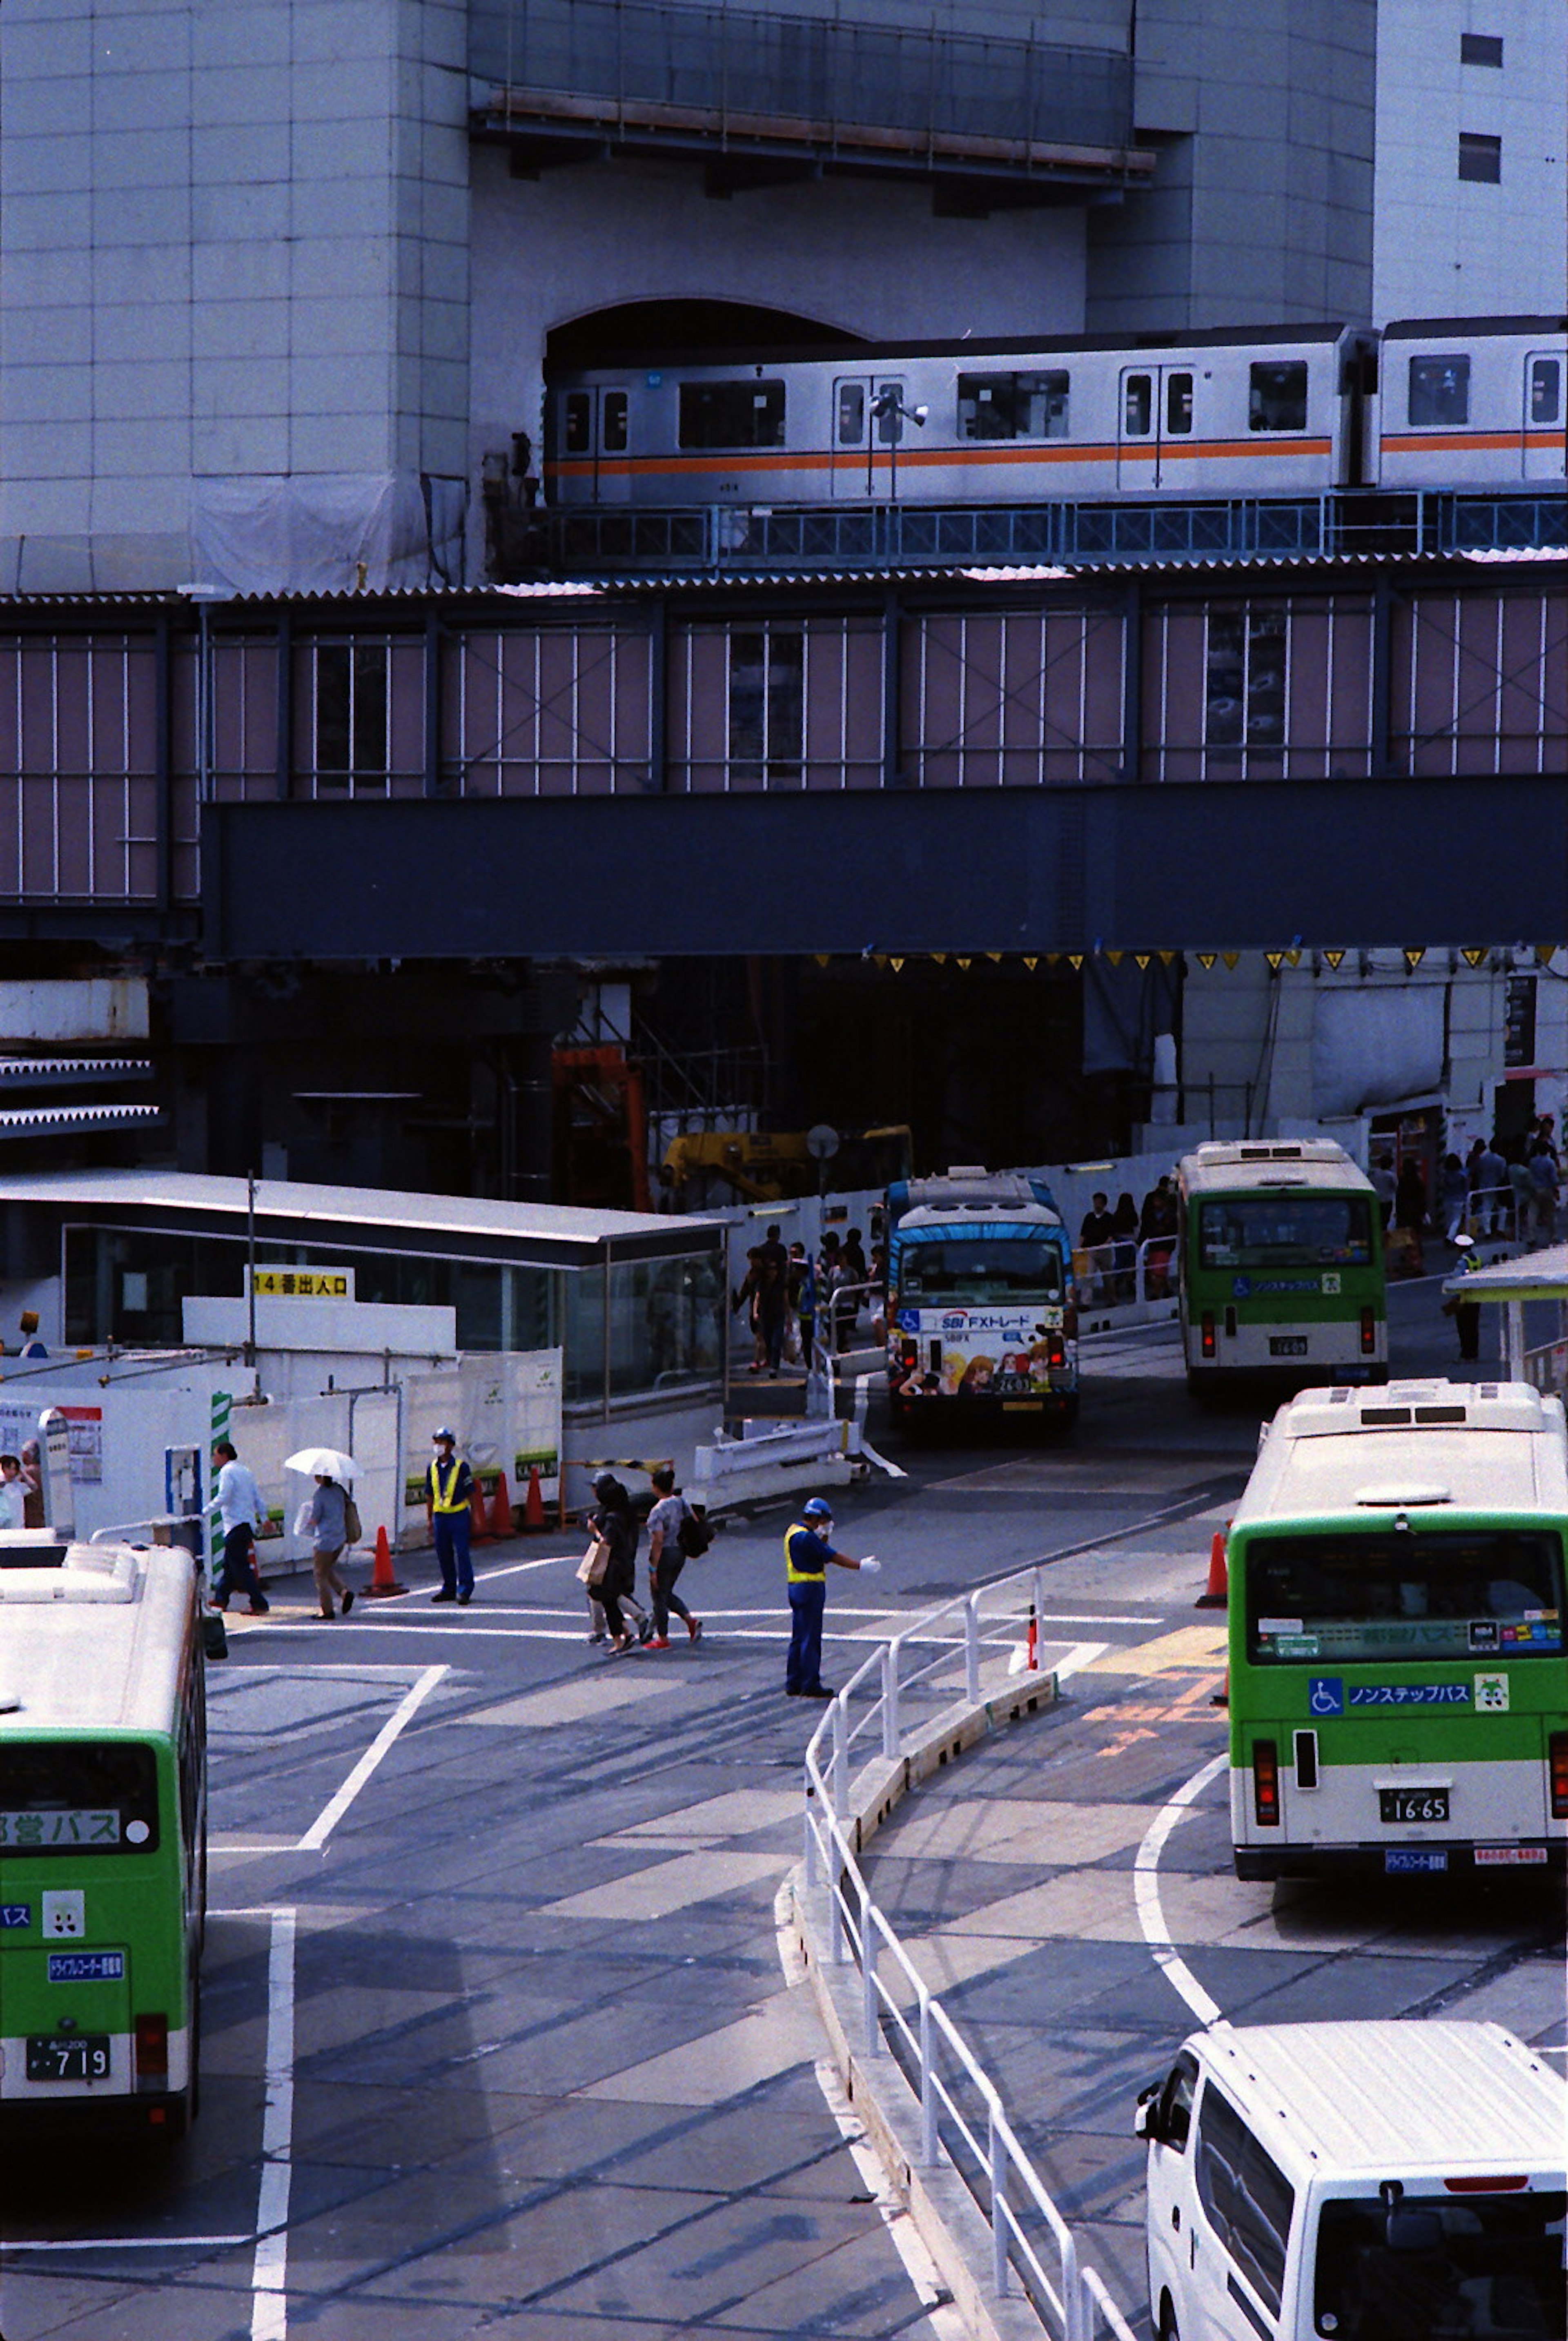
{"x": 793, "y": 1575}
{"x": 447, "y": 1500}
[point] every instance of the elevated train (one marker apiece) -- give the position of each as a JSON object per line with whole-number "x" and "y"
{"x": 1447, "y": 403}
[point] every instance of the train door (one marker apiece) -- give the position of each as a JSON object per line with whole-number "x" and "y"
{"x": 1544, "y": 419}
{"x": 1154, "y": 425}
{"x": 594, "y": 434}
{"x": 868, "y": 414}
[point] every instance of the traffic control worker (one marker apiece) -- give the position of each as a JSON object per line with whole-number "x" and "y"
{"x": 808, "y": 1550}
{"x": 450, "y": 1487}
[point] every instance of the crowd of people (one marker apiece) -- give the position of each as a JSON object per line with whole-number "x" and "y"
{"x": 789, "y": 1298}
{"x": 1502, "y": 1187}
{"x": 1109, "y": 1240}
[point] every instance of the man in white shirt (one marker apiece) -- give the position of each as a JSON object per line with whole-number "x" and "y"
{"x": 241, "y": 1514}
{"x": 13, "y": 1493}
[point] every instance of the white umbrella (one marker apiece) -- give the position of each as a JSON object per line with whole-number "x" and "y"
{"x": 321, "y": 1462}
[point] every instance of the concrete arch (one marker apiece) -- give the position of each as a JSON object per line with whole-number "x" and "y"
{"x": 622, "y": 329}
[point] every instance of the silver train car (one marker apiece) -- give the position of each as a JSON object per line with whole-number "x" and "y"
{"x": 1291, "y": 412}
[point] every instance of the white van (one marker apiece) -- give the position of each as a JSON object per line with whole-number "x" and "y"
{"x": 1362, "y": 2181}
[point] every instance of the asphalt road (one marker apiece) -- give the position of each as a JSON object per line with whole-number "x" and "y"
{"x": 497, "y": 2035}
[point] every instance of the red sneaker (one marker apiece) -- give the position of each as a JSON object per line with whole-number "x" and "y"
{"x": 658, "y": 1642}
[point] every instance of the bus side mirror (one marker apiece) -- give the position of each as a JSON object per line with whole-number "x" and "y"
{"x": 1146, "y": 2119}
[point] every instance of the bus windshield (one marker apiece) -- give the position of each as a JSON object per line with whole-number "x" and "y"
{"x": 73, "y": 1795}
{"x": 1488, "y": 2263}
{"x": 1442, "y": 1593}
{"x": 978, "y": 1268}
{"x": 1293, "y": 1228}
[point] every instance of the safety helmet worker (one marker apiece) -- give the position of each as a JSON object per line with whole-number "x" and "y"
{"x": 815, "y": 1510}
{"x": 437, "y": 1436}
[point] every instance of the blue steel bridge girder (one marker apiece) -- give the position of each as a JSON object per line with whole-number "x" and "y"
{"x": 1175, "y": 865}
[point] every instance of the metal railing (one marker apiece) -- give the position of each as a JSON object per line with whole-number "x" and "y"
{"x": 578, "y": 540}
{"x": 826, "y": 74}
{"x": 963, "y": 2121}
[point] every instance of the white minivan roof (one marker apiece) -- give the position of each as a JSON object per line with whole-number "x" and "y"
{"x": 1383, "y": 2100}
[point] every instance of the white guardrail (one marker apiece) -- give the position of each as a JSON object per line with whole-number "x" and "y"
{"x": 933, "y": 1674}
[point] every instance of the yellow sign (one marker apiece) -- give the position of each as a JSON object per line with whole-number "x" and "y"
{"x": 304, "y": 1283}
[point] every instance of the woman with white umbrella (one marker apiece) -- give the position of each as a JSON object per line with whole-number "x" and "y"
{"x": 326, "y": 1521}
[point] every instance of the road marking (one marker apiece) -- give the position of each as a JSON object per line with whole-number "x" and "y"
{"x": 269, "y": 2269}
{"x": 128, "y": 2244}
{"x": 1146, "y": 1892}
{"x": 1199, "y": 1648}
{"x": 332, "y": 1811}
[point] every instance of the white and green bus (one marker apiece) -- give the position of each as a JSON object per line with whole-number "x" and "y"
{"x": 1398, "y": 1681}
{"x": 1279, "y": 1265}
{"x": 102, "y": 1834}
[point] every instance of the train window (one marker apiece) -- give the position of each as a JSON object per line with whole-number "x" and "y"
{"x": 1137, "y": 405}
{"x": 578, "y": 434}
{"x": 747, "y": 413}
{"x": 1013, "y": 405}
{"x": 1440, "y": 389}
{"x": 1480, "y": 49}
{"x": 1277, "y": 399}
{"x": 850, "y": 422}
{"x": 1546, "y": 389}
{"x": 613, "y": 422}
{"x": 1179, "y": 403}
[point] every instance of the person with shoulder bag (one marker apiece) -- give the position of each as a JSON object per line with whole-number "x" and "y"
{"x": 328, "y": 1532}
{"x": 674, "y": 1530}
{"x": 615, "y": 1524}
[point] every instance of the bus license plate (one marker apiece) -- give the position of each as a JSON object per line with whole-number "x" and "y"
{"x": 1287, "y": 1345}
{"x": 76, "y": 2057}
{"x": 1413, "y": 1804}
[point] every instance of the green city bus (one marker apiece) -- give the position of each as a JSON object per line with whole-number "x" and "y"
{"x": 1280, "y": 1264}
{"x": 102, "y": 1833}
{"x": 1398, "y": 1683}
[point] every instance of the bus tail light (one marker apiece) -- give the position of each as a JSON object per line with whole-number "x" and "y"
{"x": 1557, "y": 1767}
{"x": 1056, "y": 1351}
{"x": 1368, "y": 1333}
{"x": 1206, "y": 1333}
{"x": 1266, "y": 1783}
{"x": 908, "y": 1356}
{"x": 152, "y": 2051}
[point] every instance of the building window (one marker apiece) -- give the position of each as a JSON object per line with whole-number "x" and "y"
{"x": 732, "y": 414}
{"x": 767, "y": 706}
{"x": 1013, "y": 405}
{"x": 1479, "y": 157}
{"x": 1277, "y": 398}
{"x": 1440, "y": 389}
{"x": 1244, "y": 703}
{"x": 349, "y": 710}
{"x": 1480, "y": 49}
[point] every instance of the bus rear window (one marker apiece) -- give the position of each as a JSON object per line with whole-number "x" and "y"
{"x": 1291, "y": 1229}
{"x": 1444, "y": 1593}
{"x": 1489, "y": 2264}
{"x": 968, "y": 1268}
{"x": 75, "y": 1796}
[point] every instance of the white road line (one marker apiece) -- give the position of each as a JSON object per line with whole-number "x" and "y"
{"x": 269, "y": 2269}
{"x": 1146, "y": 1890}
{"x": 331, "y": 1813}
{"x": 128, "y": 2244}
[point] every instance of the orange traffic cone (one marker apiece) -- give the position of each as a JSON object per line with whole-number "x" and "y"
{"x": 479, "y": 1526}
{"x": 382, "y": 1578}
{"x": 1216, "y": 1595}
{"x": 533, "y": 1504}
{"x": 500, "y": 1509}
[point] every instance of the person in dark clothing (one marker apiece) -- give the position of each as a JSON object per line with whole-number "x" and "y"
{"x": 1466, "y": 1314}
{"x": 615, "y": 1520}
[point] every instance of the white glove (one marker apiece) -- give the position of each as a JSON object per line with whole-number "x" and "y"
{"x": 871, "y": 1566}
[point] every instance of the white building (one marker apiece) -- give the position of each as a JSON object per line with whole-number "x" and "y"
{"x": 1471, "y": 187}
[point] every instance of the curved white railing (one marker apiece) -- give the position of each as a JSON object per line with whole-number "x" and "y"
{"x": 963, "y": 2121}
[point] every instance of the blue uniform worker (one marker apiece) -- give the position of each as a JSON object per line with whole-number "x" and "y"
{"x": 451, "y": 1485}
{"x": 807, "y": 1552}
